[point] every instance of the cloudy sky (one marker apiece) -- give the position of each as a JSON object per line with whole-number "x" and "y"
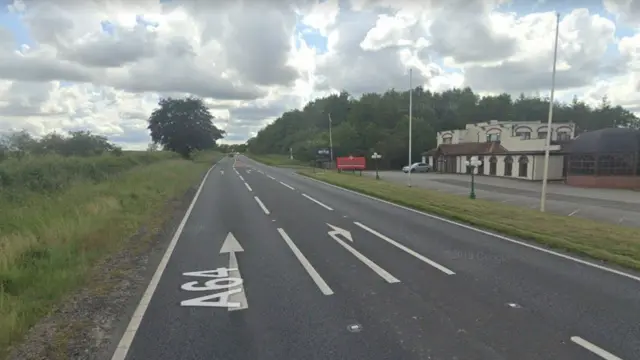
{"x": 102, "y": 64}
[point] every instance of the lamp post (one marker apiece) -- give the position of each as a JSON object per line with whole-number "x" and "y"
{"x": 473, "y": 164}
{"x": 375, "y": 158}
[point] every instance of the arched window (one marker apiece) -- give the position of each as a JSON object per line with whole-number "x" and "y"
{"x": 508, "y": 165}
{"x": 523, "y": 166}
{"x": 493, "y": 165}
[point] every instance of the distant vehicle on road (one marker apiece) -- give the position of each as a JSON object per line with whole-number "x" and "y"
{"x": 417, "y": 167}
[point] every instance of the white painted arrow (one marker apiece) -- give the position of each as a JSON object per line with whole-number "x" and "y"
{"x": 231, "y": 246}
{"x": 336, "y": 232}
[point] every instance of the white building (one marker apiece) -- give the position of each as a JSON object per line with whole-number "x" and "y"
{"x": 506, "y": 148}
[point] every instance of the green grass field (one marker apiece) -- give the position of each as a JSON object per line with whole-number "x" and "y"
{"x": 612, "y": 243}
{"x": 279, "y": 161}
{"x": 59, "y": 216}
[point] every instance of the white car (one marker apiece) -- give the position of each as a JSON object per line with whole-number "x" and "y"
{"x": 417, "y": 167}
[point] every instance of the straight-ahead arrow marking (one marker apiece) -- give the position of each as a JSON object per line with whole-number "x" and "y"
{"x": 232, "y": 246}
{"x": 336, "y": 232}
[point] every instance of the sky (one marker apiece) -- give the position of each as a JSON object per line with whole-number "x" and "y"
{"x": 102, "y": 65}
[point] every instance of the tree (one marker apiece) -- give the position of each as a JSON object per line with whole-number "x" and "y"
{"x": 183, "y": 126}
{"x": 379, "y": 122}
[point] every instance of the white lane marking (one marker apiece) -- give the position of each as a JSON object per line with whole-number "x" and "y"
{"x": 574, "y": 212}
{"x": 222, "y": 172}
{"x": 373, "y": 266}
{"x": 485, "y": 232}
{"x": 241, "y": 178}
{"x": 264, "y": 208}
{"x": 248, "y": 187}
{"x": 322, "y": 285}
{"x": 271, "y": 177}
{"x": 240, "y": 297}
{"x": 594, "y": 349}
{"x": 317, "y": 202}
{"x": 621, "y": 220}
{"x": 287, "y": 185}
{"x": 406, "y": 249}
{"x": 136, "y": 319}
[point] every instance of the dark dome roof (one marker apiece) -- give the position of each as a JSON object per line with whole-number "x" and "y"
{"x": 614, "y": 140}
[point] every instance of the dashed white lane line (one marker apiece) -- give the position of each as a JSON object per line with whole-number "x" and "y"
{"x": 264, "y": 208}
{"x": 574, "y": 212}
{"x": 322, "y": 285}
{"x": 271, "y": 177}
{"x": 406, "y": 249}
{"x": 594, "y": 349}
{"x": 241, "y": 178}
{"x": 317, "y": 202}
{"x": 248, "y": 187}
{"x": 287, "y": 185}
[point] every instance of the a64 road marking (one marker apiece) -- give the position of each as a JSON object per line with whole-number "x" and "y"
{"x": 220, "y": 280}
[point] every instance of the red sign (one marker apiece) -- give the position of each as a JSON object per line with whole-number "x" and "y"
{"x": 351, "y": 163}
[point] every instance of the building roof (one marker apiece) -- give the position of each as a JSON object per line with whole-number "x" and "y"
{"x": 475, "y": 148}
{"x": 613, "y": 140}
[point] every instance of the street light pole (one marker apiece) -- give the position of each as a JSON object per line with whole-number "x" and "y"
{"x": 545, "y": 175}
{"x": 410, "y": 116}
{"x": 330, "y": 142}
{"x": 473, "y": 164}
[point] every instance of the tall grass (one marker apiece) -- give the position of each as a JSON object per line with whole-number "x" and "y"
{"x": 58, "y": 216}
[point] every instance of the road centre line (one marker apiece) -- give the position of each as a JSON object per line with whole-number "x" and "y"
{"x": 264, "y": 208}
{"x": 481, "y": 231}
{"x": 248, "y": 187}
{"x": 594, "y": 349}
{"x": 271, "y": 177}
{"x": 322, "y": 285}
{"x": 287, "y": 185}
{"x": 406, "y": 249}
{"x": 130, "y": 332}
{"x": 241, "y": 178}
{"x": 317, "y": 202}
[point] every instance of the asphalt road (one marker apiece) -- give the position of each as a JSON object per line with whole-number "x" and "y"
{"x": 327, "y": 274}
{"x": 527, "y": 195}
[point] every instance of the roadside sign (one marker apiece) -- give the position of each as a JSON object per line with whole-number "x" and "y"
{"x": 351, "y": 163}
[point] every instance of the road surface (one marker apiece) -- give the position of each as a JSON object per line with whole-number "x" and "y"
{"x": 273, "y": 266}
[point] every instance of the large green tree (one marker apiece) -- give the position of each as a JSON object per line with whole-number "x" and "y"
{"x": 379, "y": 122}
{"x": 183, "y": 126}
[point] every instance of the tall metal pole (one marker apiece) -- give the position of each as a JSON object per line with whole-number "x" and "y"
{"x": 410, "y": 116}
{"x": 543, "y": 195}
{"x": 330, "y": 143}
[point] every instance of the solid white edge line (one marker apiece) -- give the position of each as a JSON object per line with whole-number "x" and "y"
{"x": 287, "y": 185}
{"x": 373, "y": 266}
{"x": 406, "y": 249}
{"x": 317, "y": 202}
{"x": 248, "y": 187}
{"x": 322, "y": 285}
{"x": 264, "y": 208}
{"x": 485, "y": 232}
{"x": 127, "y": 338}
{"x": 594, "y": 349}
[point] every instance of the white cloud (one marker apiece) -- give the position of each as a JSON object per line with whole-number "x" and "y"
{"x": 102, "y": 65}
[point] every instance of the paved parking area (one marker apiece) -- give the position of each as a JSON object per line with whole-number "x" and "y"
{"x": 610, "y": 205}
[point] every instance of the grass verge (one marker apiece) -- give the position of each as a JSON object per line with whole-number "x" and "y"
{"x": 279, "y": 161}
{"x": 55, "y": 239}
{"x": 611, "y": 243}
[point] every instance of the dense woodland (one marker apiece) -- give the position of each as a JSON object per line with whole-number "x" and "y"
{"x": 380, "y": 122}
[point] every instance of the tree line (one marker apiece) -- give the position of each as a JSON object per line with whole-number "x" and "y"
{"x": 380, "y": 122}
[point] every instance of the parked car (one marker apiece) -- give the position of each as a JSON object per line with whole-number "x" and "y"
{"x": 417, "y": 167}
